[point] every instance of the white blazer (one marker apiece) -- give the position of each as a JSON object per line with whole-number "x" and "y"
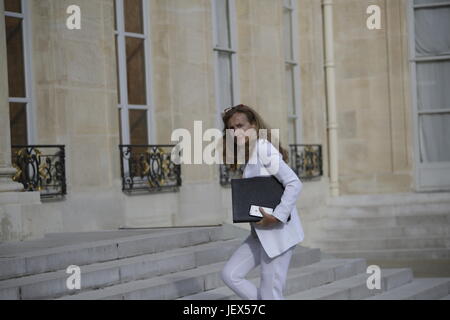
{"x": 285, "y": 234}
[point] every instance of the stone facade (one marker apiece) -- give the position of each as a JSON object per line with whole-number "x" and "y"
{"x": 75, "y": 97}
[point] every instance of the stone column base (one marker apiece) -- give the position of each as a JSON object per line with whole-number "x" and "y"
{"x": 14, "y": 203}
{"x": 6, "y": 182}
{"x": 16, "y": 208}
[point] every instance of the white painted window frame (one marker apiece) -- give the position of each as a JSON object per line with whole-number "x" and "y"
{"x": 233, "y": 49}
{"x": 29, "y": 93}
{"x": 297, "y": 116}
{"x": 413, "y": 80}
{"x": 123, "y": 105}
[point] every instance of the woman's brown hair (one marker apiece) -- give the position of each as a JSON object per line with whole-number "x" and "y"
{"x": 254, "y": 118}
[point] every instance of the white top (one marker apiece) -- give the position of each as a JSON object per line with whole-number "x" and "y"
{"x": 282, "y": 236}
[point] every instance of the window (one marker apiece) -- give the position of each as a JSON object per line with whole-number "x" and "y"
{"x": 19, "y": 72}
{"x": 224, "y": 37}
{"x": 432, "y": 65}
{"x": 133, "y": 76}
{"x": 429, "y": 25}
{"x": 291, "y": 71}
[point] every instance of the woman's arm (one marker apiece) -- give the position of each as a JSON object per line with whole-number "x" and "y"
{"x": 273, "y": 161}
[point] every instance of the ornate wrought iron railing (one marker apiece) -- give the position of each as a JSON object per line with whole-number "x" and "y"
{"x": 148, "y": 168}
{"x": 41, "y": 168}
{"x": 304, "y": 159}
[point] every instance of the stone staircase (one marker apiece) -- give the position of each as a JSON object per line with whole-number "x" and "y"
{"x": 394, "y": 230}
{"x": 182, "y": 263}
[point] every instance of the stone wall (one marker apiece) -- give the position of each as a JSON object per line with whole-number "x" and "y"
{"x": 75, "y": 96}
{"x": 374, "y": 111}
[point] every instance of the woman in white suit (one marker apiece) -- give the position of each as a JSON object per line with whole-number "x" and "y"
{"x": 272, "y": 239}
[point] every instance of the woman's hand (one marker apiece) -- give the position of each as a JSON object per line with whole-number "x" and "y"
{"x": 267, "y": 220}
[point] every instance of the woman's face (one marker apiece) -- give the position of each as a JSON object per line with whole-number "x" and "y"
{"x": 239, "y": 121}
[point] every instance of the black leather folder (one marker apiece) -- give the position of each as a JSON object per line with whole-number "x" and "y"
{"x": 263, "y": 191}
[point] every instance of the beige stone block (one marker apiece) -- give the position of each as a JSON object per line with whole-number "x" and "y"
{"x": 366, "y": 59}
{"x": 361, "y": 184}
{"x": 347, "y": 125}
{"x": 12, "y": 219}
{"x": 352, "y": 67}
{"x": 306, "y": 51}
{"x": 306, "y": 79}
{"x": 92, "y": 22}
{"x": 111, "y": 117}
{"x": 380, "y": 155}
{"x": 190, "y": 47}
{"x": 189, "y": 14}
{"x": 79, "y": 63}
{"x": 196, "y": 172}
{"x": 43, "y": 43}
{"x": 247, "y": 76}
{"x": 353, "y": 94}
{"x": 226, "y": 202}
{"x": 39, "y": 220}
{"x": 245, "y": 39}
{"x": 305, "y": 17}
{"x": 266, "y": 12}
{"x": 158, "y": 10}
{"x": 353, "y": 158}
{"x": 199, "y": 204}
{"x": 396, "y": 16}
{"x": 88, "y": 162}
{"x": 111, "y": 71}
{"x": 185, "y": 88}
{"x": 350, "y": 19}
{"x": 114, "y": 159}
{"x": 11, "y": 223}
{"x": 164, "y": 136}
{"x": 84, "y": 111}
{"x": 394, "y": 183}
{"x": 162, "y": 96}
{"x": 151, "y": 210}
{"x": 46, "y": 115}
{"x": 160, "y": 46}
{"x": 93, "y": 209}
{"x": 267, "y": 42}
{"x": 243, "y": 11}
{"x": 268, "y": 84}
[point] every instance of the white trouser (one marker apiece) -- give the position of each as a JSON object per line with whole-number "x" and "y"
{"x": 273, "y": 271}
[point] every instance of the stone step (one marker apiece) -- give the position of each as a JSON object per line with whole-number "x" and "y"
{"x": 54, "y": 240}
{"x": 411, "y": 220}
{"x": 386, "y": 210}
{"x": 355, "y": 287}
{"x": 393, "y": 254}
{"x": 418, "y": 289}
{"x": 179, "y": 284}
{"x": 379, "y": 244}
{"x": 14, "y": 263}
{"x": 53, "y": 284}
{"x": 421, "y": 230}
{"x": 400, "y": 199}
{"x": 422, "y": 268}
{"x": 108, "y": 234}
{"x": 298, "y": 279}
{"x": 332, "y": 222}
